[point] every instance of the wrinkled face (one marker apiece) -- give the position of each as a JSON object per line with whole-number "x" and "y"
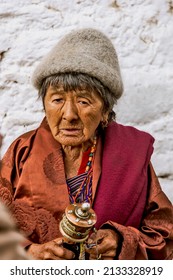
{"x": 73, "y": 116}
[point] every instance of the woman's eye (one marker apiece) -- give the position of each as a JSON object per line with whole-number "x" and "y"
{"x": 57, "y": 100}
{"x": 84, "y": 102}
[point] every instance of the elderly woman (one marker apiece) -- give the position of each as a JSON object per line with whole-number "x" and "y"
{"x": 80, "y": 154}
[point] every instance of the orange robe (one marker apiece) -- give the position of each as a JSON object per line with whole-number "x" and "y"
{"x": 33, "y": 186}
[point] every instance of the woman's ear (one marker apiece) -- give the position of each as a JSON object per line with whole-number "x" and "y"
{"x": 105, "y": 116}
{"x": 104, "y": 120}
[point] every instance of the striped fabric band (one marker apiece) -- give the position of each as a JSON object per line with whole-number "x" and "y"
{"x": 82, "y": 181}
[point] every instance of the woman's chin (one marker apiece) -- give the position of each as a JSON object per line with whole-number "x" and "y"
{"x": 70, "y": 141}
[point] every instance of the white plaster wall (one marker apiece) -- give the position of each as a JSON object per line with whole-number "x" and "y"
{"x": 142, "y": 32}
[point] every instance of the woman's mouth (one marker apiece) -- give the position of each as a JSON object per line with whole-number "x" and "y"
{"x": 70, "y": 131}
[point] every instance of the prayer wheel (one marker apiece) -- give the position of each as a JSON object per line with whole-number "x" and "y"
{"x": 77, "y": 222}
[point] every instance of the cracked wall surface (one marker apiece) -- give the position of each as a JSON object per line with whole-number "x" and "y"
{"x": 142, "y": 33}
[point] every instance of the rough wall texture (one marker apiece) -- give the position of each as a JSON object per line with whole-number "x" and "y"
{"x": 142, "y": 34}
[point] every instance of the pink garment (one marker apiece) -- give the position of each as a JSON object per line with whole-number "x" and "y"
{"x": 122, "y": 190}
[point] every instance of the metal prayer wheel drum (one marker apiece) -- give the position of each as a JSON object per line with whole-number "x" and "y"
{"x": 77, "y": 222}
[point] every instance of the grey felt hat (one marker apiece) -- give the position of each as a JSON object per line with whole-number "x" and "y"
{"x": 86, "y": 51}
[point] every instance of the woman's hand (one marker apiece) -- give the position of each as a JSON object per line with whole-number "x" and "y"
{"x": 107, "y": 243}
{"x": 52, "y": 250}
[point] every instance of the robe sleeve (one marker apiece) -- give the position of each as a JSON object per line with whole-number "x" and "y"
{"x": 11, "y": 166}
{"x": 154, "y": 238}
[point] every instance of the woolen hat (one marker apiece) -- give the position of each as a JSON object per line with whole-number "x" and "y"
{"x": 86, "y": 51}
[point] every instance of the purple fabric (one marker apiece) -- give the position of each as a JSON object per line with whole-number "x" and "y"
{"x": 122, "y": 191}
{"x": 74, "y": 184}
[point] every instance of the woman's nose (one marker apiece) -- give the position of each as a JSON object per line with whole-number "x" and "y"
{"x": 70, "y": 111}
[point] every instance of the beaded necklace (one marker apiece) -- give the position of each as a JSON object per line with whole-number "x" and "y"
{"x": 86, "y": 185}
{"x": 91, "y": 155}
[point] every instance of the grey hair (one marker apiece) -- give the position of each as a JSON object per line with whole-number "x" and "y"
{"x": 74, "y": 81}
